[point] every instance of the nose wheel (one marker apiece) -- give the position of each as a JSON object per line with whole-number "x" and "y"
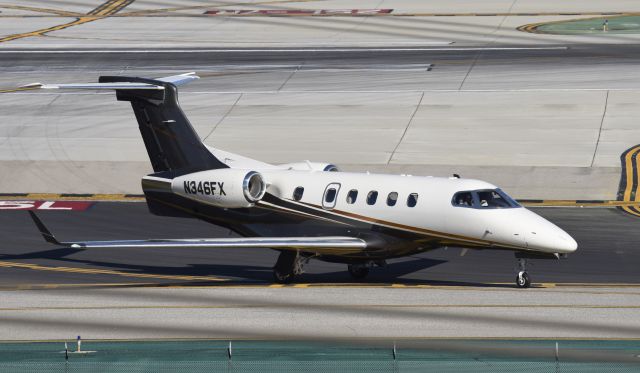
{"x": 523, "y": 280}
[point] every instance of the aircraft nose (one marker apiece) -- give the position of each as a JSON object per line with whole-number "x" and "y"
{"x": 547, "y": 237}
{"x": 565, "y": 243}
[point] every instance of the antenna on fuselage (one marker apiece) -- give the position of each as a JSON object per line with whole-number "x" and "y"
{"x": 456, "y": 176}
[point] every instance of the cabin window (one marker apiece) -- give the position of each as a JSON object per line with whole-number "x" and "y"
{"x": 412, "y": 200}
{"x": 392, "y": 199}
{"x": 463, "y": 199}
{"x": 297, "y": 193}
{"x": 330, "y": 196}
{"x": 372, "y": 197}
{"x": 352, "y": 196}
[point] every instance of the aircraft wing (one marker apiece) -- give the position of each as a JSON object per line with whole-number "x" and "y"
{"x": 322, "y": 245}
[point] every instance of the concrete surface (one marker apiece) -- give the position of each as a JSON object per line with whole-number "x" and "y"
{"x": 543, "y": 123}
{"x": 319, "y": 313}
{"x": 189, "y": 28}
{"x": 493, "y": 115}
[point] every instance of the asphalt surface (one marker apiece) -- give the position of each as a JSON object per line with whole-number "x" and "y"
{"x": 447, "y": 63}
{"x": 608, "y": 253}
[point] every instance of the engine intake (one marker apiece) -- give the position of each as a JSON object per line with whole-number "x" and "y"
{"x": 253, "y": 186}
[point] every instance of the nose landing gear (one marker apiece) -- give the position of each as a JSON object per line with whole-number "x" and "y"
{"x": 523, "y": 280}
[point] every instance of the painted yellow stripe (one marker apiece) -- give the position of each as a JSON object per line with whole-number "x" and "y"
{"x": 110, "y": 7}
{"x": 94, "y": 271}
{"x": 100, "y": 7}
{"x": 20, "y": 89}
{"x": 629, "y": 194}
{"x": 62, "y": 13}
{"x": 629, "y": 174}
{"x": 41, "y": 32}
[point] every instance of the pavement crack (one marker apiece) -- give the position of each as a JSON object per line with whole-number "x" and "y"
{"x": 404, "y": 134}
{"x": 604, "y": 113}
{"x": 223, "y": 117}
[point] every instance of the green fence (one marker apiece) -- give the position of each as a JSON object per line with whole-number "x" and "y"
{"x": 292, "y": 356}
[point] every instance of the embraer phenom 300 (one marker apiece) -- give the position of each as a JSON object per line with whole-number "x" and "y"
{"x": 308, "y": 210}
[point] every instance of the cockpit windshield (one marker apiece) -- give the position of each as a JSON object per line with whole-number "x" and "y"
{"x": 484, "y": 199}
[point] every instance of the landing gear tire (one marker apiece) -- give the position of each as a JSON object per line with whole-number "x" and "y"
{"x": 282, "y": 277}
{"x": 358, "y": 271}
{"x": 522, "y": 280}
{"x": 289, "y": 264}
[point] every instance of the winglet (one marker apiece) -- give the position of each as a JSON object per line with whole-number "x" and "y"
{"x": 48, "y": 236}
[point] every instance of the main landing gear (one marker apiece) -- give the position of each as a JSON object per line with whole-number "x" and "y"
{"x": 358, "y": 271}
{"x": 523, "y": 280}
{"x": 289, "y": 265}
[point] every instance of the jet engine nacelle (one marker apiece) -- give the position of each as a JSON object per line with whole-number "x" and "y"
{"x": 226, "y": 187}
{"x": 309, "y": 166}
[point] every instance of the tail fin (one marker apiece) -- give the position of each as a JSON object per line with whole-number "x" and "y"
{"x": 172, "y": 143}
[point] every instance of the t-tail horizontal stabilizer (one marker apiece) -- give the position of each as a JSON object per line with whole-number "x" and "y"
{"x": 172, "y": 143}
{"x": 176, "y": 80}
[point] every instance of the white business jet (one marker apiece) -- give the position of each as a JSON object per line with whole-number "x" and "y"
{"x": 309, "y": 210}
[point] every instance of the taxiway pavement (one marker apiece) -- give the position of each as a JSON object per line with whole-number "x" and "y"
{"x": 607, "y": 254}
{"x": 541, "y": 123}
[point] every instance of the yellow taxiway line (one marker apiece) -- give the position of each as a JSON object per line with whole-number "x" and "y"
{"x": 104, "y": 10}
{"x": 630, "y": 183}
{"x": 95, "y": 271}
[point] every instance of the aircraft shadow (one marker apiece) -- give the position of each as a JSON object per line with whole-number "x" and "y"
{"x": 239, "y": 274}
